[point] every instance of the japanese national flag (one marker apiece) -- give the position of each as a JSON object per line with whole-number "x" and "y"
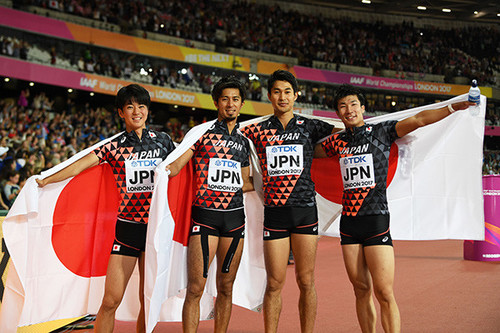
{"x": 434, "y": 185}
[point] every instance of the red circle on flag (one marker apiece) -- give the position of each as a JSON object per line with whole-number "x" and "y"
{"x": 84, "y": 221}
{"x": 329, "y": 184}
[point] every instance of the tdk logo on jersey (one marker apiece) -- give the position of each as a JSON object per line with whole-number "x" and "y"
{"x": 226, "y": 163}
{"x": 284, "y": 149}
{"x": 355, "y": 159}
{"x": 144, "y": 163}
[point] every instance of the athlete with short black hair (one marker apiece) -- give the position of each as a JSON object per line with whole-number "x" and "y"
{"x": 133, "y": 155}
{"x": 285, "y": 147}
{"x": 364, "y": 225}
{"x": 221, "y": 164}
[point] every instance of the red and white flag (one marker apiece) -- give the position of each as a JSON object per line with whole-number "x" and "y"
{"x": 59, "y": 236}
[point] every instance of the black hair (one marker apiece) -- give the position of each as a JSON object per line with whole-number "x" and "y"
{"x": 281, "y": 75}
{"x": 348, "y": 90}
{"x": 132, "y": 93}
{"x": 229, "y": 81}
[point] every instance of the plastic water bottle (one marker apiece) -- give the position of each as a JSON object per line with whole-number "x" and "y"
{"x": 475, "y": 97}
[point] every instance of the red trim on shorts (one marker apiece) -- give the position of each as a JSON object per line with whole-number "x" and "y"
{"x": 241, "y": 226}
{"x": 203, "y": 225}
{"x": 309, "y": 225}
{"x": 378, "y": 234}
{"x": 279, "y": 230}
{"x": 130, "y": 247}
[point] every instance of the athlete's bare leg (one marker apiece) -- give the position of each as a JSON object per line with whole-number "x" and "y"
{"x": 276, "y": 254}
{"x": 225, "y": 281}
{"x": 119, "y": 270}
{"x": 380, "y": 261}
{"x": 304, "y": 249}
{"x": 196, "y": 281}
{"x": 359, "y": 275}
{"x": 141, "y": 319}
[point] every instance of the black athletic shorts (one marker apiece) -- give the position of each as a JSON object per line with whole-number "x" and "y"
{"x": 130, "y": 238}
{"x": 218, "y": 223}
{"x": 280, "y": 222}
{"x": 365, "y": 230}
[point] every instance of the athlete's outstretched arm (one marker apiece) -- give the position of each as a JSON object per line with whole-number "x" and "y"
{"x": 427, "y": 117}
{"x": 71, "y": 170}
{"x": 176, "y": 166}
{"x": 247, "y": 180}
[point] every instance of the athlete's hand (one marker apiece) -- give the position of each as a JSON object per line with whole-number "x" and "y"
{"x": 40, "y": 182}
{"x": 462, "y": 105}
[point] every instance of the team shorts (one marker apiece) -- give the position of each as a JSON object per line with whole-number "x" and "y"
{"x": 365, "y": 230}
{"x": 218, "y": 223}
{"x": 130, "y": 238}
{"x": 280, "y": 222}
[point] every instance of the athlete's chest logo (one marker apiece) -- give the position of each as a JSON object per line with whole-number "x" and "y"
{"x": 139, "y": 174}
{"x": 284, "y": 160}
{"x": 224, "y": 175}
{"x": 357, "y": 171}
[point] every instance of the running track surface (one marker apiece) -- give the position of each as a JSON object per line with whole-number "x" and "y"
{"x": 436, "y": 290}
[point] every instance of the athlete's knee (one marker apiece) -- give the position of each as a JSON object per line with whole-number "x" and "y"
{"x": 362, "y": 289}
{"x": 305, "y": 281}
{"x": 225, "y": 287}
{"x": 274, "y": 285}
{"x": 384, "y": 293}
{"x": 110, "y": 303}
{"x": 194, "y": 290}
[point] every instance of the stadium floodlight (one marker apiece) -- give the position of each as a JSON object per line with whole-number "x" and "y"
{"x": 421, "y": 8}
{"x": 176, "y": 106}
{"x": 446, "y": 10}
{"x": 32, "y": 84}
{"x": 6, "y": 79}
{"x": 91, "y": 93}
{"x": 70, "y": 90}
{"x": 366, "y": 1}
{"x": 194, "y": 109}
{"x": 476, "y": 12}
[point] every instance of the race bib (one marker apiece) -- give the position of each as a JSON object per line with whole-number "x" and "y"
{"x": 357, "y": 171}
{"x": 224, "y": 175}
{"x": 284, "y": 160}
{"x": 140, "y": 174}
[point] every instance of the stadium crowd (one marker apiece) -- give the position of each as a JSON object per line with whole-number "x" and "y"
{"x": 467, "y": 52}
{"x": 35, "y": 137}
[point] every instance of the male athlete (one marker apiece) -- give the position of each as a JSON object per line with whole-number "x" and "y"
{"x": 364, "y": 225}
{"x": 285, "y": 146}
{"x": 132, "y": 156}
{"x": 221, "y": 162}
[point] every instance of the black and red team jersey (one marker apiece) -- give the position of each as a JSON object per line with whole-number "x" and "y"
{"x": 218, "y": 159}
{"x": 286, "y": 156}
{"x": 364, "y": 162}
{"x": 133, "y": 161}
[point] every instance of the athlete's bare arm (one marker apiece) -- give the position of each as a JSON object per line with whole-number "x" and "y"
{"x": 247, "y": 180}
{"x": 427, "y": 117}
{"x": 176, "y": 166}
{"x": 71, "y": 170}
